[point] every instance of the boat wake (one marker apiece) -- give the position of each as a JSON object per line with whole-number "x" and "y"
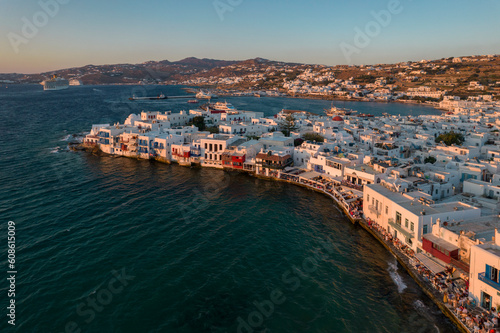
{"x": 55, "y": 150}
{"x": 398, "y": 280}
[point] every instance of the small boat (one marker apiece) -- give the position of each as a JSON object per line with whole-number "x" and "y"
{"x": 257, "y": 95}
{"x": 365, "y": 115}
{"x": 160, "y": 96}
{"x": 193, "y": 101}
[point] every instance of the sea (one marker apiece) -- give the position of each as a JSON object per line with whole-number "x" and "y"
{"x": 107, "y": 244}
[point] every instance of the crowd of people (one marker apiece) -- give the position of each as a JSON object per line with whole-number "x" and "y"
{"x": 455, "y": 292}
{"x": 356, "y": 208}
{"x": 350, "y": 201}
{"x": 352, "y": 185}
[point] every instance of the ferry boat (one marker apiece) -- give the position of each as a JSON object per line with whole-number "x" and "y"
{"x": 224, "y": 106}
{"x": 333, "y": 110}
{"x": 219, "y": 107}
{"x": 55, "y": 83}
{"x": 160, "y": 96}
{"x": 205, "y": 95}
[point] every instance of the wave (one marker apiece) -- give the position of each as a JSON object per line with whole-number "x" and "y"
{"x": 423, "y": 310}
{"x": 398, "y": 280}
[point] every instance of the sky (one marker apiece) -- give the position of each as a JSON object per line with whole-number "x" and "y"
{"x": 45, "y": 35}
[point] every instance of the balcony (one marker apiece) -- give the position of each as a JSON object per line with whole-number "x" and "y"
{"x": 482, "y": 277}
{"x": 399, "y": 228}
{"x": 274, "y": 166}
{"x": 372, "y": 209}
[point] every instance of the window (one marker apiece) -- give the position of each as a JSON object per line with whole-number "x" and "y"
{"x": 368, "y": 197}
{"x": 398, "y": 218}
{"x": 386, "y": 210}
{"x": 424, "y": 231}
{"x": 406, "y": 223}
{"x": 492, "y": 273}
{"x": 412, "y": 226}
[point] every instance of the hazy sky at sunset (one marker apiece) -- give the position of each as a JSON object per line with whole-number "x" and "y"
{"x": 76, "y": 33}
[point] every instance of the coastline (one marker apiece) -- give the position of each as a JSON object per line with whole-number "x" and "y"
{"x": 311, "y": 97}
{"x": 402, "y": 260}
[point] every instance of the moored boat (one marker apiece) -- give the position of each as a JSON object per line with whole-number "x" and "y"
{"x": 160, "y": 96}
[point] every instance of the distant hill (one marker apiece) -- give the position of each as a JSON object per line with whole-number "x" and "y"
{"x": 147, "y": 72}
{"x": 452, "y": 75}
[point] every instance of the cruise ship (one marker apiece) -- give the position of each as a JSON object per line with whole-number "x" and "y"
{"x": 75, "y": 82}
{"x": 55, "y": 83}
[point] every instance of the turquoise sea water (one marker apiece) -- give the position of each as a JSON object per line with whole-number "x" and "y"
{"x": 119, "y": 245}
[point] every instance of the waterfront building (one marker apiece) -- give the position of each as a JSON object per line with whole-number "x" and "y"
{"x": 270, "y": 163}
{"x": 484, "y": 283}
{"x": 362, "y": 174}
{"x": 409, "y": 215}
{"x": 213, "y": 146}
{"x": 462, "y": 234}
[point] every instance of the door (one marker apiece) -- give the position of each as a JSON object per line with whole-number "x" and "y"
{"x": 486, "y": 302}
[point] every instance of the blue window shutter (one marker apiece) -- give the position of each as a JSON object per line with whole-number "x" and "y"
{"x": 488, "y": 272}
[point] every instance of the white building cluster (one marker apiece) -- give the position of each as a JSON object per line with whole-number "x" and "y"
{"x": 442, "y": 202}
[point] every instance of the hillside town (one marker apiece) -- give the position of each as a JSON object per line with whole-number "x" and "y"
{"x": 424, "y": 81}
{"x": 428, "y": 184}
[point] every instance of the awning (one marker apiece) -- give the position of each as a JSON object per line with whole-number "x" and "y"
{"x": 400, "y": 229}
{"x": 432, "y": 265}
{"x": 337, "y": 180}
{"x": 441, "y": 242}
{"x": 310, "y": 175}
